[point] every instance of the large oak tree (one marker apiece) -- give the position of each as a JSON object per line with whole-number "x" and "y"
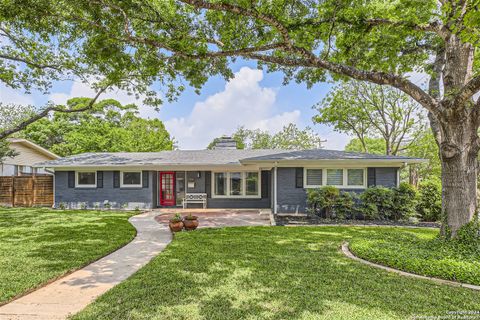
{"x": 312, "y": 41}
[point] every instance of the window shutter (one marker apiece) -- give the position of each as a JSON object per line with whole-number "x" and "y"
{"x": 99, "y": 179}
{"x": 71, "y": 179}
{"x": 208, "y": 183}
{"x": 298, "y": 177}
{"x": 145, "y": 179}
{"x": 265, "y": 184}
{"x": 116, "y": 179}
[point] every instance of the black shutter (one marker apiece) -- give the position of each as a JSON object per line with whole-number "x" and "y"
{"x": 298, "y": 177}
{"x": 265, "y": 180}
{"x": 71, "y": 179}
{"x": 208, "y": 183}
{"x": 99, "y": 179}
{"x": 116, "y": 179}
{"x": 145, "y": 179}
{"x": 371, "y": 177}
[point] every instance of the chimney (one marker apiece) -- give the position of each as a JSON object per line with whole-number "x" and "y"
{"x": 225, "y": 143}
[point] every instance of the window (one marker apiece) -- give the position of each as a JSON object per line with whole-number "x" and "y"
{"x": 236, "y": 184}
{"x": 314, "y": 177}
{"x": 86, "y": 179}
{"x": 130, "y": 179}
{"x": 220, "y": 183}
{"x": 343, "y": 178}
{"x": 355, "y": 177}
{"x": 251, "y": 179}
{"x": 335, "y": 177}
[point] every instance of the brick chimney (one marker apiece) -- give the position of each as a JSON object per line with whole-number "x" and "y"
{"x": 225, "y": 143}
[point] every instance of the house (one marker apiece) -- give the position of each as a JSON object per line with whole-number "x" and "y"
{"x": 225, "y": 177}
{"x": 28, "y": 154}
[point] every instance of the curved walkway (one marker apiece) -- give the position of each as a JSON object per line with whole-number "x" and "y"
{"x": 75, "y": 291}
{"x": 350, "y": 255}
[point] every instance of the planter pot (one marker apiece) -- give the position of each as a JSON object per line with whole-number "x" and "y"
{"x": 176, "y": 226}
{"x": 191, "y": 224}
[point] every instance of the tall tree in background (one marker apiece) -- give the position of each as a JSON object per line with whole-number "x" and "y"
{"x": 108, "y": 127}
{"x": 310, "y": 41}
{"x": 370, "y": 145}
{"x": 367, "y": 110}
{"x": 11, "y": 114}
{"x": 289, "y": 138}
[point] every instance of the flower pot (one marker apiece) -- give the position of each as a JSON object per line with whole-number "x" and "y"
{"x": 176, "y": 226}
{"x": 190, "y": 224}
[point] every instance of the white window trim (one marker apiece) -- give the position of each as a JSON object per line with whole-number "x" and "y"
{"x": 131, "y": 185}
{"x": 244, "y": 186}
{"x": 77, "y": 185}
{"x": 345, "y": 178}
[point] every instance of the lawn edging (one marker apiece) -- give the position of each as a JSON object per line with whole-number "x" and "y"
{"x": 346, "y": 251}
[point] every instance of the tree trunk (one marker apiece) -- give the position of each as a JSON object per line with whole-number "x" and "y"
{"x": 459, "y": 151}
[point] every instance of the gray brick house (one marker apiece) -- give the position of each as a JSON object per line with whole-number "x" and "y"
{"x": 223, "y": 177}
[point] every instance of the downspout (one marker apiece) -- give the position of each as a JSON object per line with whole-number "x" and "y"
{"x": 275, "y": 188}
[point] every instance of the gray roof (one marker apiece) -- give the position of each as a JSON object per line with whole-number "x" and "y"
{"x": 208, "y": 157}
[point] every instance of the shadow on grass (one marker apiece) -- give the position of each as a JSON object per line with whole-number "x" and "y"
{"x": 272, "y": 273}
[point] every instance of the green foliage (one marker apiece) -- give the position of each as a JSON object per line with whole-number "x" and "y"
{"x": 109, "y": 127}
{"x": 377, "y": 203}
{"x": 5, "y": 151}
{"x": 40, "y": 244}
{"x": 366, "y": 110}
{"x": 429, "y": 206}
{"x": 345, "y": 206}
{"x": 423, "y": 252}
{"x": 373, "y": 145}
{"x": 289, "y": 138}
{"x": 404, "y": 202}
{"x": 331, "y": 202}
{"x": 425, "y": 147}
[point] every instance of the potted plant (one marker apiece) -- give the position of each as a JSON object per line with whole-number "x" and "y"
{"x": 176, "y": 223}
{"x": 190, "y": 222}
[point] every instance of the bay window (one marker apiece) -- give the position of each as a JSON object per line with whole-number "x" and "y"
{"x": 236, "y": 184}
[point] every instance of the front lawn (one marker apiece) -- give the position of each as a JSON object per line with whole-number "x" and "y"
{"x": 421, "y": 252}
{"x": 273, "y": 273}
{"x": 37, "y": 245}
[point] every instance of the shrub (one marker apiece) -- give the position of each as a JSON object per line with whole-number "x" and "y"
{"x": 429, "y": 204}
{"x": 323, "y": 199}
{"x": 404, "y": 202}
{"x": 377, "y": 203}
{"x": 345, "y": 206}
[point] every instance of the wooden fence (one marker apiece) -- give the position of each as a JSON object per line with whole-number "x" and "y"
{"x": 26, "y": 191}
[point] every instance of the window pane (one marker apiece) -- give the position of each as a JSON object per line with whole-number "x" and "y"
{"x": 235, "y": 183}
{"x": 335, "y": 177}
{"x": 355, "y": 177}
{"x": 252, "y": 183}
{"x": 314, "y": 177}
{"x": 132, "y": 178}
{"x": 85, "y": 178}
{"x": 220, "y": 184}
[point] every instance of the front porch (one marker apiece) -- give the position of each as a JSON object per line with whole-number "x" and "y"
{"x": 217, "y": 218}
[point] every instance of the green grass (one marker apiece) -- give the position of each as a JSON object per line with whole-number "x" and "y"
{"x": 273, "y": 273}
{"x": 421, "y": 252}
{"x": 37, "y": 245}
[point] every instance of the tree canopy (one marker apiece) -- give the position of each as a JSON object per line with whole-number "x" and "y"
{"x": 108, "y": 127}
{"x": 289, "y": 138}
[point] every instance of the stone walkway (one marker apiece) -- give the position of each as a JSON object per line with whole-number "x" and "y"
{"x": 74, "y": 292}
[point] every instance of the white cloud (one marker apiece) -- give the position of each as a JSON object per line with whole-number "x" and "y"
{"x": 243, "y": 102}
{"x": 9, "y": 95}
{"x": 80, "y": 89}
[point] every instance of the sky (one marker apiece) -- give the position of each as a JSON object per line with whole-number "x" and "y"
{"x": 253, "y": 98}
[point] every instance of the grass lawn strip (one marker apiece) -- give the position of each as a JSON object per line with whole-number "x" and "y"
{"x": 38, "y": 245}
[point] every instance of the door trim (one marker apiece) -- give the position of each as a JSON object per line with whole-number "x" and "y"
{"x": 163, "y": 202}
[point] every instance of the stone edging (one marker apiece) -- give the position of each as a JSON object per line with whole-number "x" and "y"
{"x": 350, "y": 255}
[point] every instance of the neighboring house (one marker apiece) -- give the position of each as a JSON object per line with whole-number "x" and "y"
{"x": 227, "y": 178}
{"x": 28, "y": 154}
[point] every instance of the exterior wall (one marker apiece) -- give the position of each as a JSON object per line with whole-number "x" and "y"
{"x": 129, "y": 198}
{"x": 294, "y": 200}
{"x": 26, "y": 156}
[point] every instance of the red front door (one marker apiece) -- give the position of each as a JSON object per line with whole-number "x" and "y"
{"x": 167, "y": 188}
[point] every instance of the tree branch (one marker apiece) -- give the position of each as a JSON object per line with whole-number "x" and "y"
{"x": 29, "y": 63}
{"x": 468, "y": 90}
{"x": 4, "y": 134}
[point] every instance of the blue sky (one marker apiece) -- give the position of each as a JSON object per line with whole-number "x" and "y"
{"x": 254, "y": 98}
